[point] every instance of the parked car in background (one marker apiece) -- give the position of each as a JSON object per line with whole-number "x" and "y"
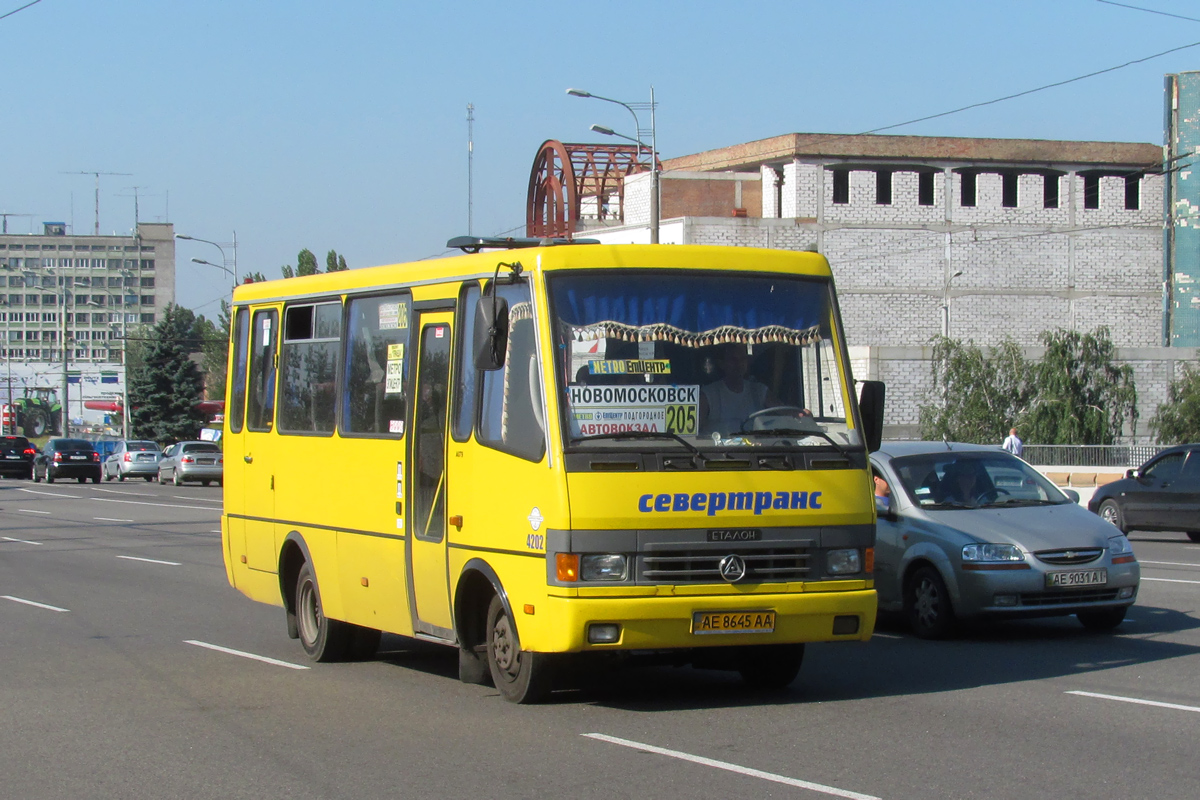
{"x": 1161, "y": 495}
{"x": 67, "y": 458}
{"x": 192, "y": 461}
{"x": 971, "y": 531}
{"x": 133, "y": 458}
{"x": 16, "y": 456}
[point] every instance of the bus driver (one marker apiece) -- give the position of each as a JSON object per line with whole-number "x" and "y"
{"x": 725, "y": 404}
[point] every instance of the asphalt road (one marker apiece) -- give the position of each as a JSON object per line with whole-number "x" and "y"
{"x": 130, "y": 669}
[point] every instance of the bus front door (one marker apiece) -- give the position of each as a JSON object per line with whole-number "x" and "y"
{"x": 428, "y": 565}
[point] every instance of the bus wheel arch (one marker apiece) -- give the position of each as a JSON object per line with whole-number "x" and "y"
{"x": 477, "y": 585}
{"x": 292, "y": 556}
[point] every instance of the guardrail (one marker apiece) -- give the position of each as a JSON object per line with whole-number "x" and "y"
{"x": 1090, "y": 455}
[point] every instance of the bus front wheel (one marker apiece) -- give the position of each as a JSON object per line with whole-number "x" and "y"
{"x": 323, "y": 639}
{"x": 520, "y": 675}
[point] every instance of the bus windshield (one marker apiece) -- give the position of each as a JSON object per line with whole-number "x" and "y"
{"x": 660, "y": 359}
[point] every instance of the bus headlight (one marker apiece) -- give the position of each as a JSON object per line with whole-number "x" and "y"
{"x": 603, "y": 567}
{"x": 843, "y": 562}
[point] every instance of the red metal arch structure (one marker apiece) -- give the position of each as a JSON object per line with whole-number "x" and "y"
{"x": 564, "y": 175}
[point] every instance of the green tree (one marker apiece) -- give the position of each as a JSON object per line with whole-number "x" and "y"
{"x": 1082, "y": 396}
{"x": 334, "y": 262}
{"x": 215, "y": 347}
{"x": 165, "y": 384}
{"x": 306, "y": 264}
{"x": 981, "y": 393}
{"x": 1178, "y": 419}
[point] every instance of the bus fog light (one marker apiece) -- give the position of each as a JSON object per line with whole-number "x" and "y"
{"x": 603, "y": 567}
{"x": 845, "y": 625}
{"x": 843, "y": 562}
{"x": 1004, "y": 600}
{"x": 604, "y": 633}
{"x": 1125, "y": 593}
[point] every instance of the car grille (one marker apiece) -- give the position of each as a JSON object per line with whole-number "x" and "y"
{"x": 1068, "y": 598}
{"x": 1068, "y": 557}
{"x": 701, "y": 566}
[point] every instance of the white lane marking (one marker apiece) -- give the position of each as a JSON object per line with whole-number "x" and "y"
{"x": 1169, "y": 563}
{"x": 160, "y": 505}
{"x": 110, "y": 519}
{"x": 153, "y": 561}
{"x": 725, "y": 765}
{"x": 1168, "y": 580}
{"x": 52, "y": 494}
{"x": 263, "y": 659}
{"x": 31, "y": 511}
{"x": 886, "y": 635}
{"x": 197, "y": 499}
{"x": 1136, "y": 701}
{"x": 31, "y": 603}
{"x": 214, "y": 531}
{"x": 130, "y": 494}
{"x": 22, "y": 541}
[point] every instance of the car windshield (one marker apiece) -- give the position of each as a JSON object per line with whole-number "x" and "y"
{"x": 661, "y": 360}
{"x": 974, "y": 479}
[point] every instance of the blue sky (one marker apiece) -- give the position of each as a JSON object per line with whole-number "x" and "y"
{"x": 343, "y": 125}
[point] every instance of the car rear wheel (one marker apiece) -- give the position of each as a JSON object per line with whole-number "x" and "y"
{"x": 1102, "y": 620}
{"x": 36, "y": 478}
{"x": 175, "y": 478}
{"x": 927, "y": 605}
{"x": 149, "y": 478}
{"x": 1111, "y": 512}
{"x": 96, "y": 478}
{"x": 160, "y": 477}
{"x": 107, "y": 477}
{"x": 121, "y": 477}
{"x": 205, "y": 483}
{"x": 49, "y": 476}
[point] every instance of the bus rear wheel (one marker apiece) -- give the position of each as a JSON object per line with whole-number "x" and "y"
{"x": 323, "y": 639}
{"x": 770, "y": 667}
{"x": 520, "y": 675}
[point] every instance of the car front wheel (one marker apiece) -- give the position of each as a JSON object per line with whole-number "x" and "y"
{"x": 927, "y": 605}
{"x": 1111, "y": 512}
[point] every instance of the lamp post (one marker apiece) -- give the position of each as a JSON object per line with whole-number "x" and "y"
{"x": 12, "y": 427}
{"x": 224, "y": 258}
{"x": 655, "y": 199}
{"x": 946, "y": 303}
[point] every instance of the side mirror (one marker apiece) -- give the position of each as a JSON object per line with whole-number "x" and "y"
{"x": 491, "y": 332}
{"x": 1072, "y": 495}
{"x": 883, "y": 509}
{"x": 1130, "y": 473}
{"x": 870, "y": 409}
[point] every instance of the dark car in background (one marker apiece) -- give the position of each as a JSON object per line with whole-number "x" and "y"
{"x": 67, "y": 458}
{"x": 1161, "y": 495}
{"x": 16, "y": 456}
{"x": 133, "y": 458}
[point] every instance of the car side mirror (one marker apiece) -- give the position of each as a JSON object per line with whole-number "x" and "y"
{"x": 883, "y": 509}
{"x": 1072, "y": 495}
{"x": 491, "y": 332}
{"x": 1130, "y": 473}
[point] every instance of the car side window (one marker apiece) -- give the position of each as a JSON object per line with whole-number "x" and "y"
{"x": 1166, "y": 467}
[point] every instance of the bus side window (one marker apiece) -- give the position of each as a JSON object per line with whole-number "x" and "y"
{"x": 308, "y": 368}
{"x": 511, "y": 417}
{"x": 237, "y": 397}
{"x": 260, "y": 410}
{"x": 374, "y": 399}
{"x": 465, "y": 374}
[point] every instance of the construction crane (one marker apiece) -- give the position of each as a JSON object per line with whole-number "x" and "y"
{"x": 97, "y": 174}
{"x": 6, "y": 215}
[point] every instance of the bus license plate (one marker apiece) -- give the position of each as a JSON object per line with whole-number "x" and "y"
{"x": 733, "y": 622}
{"x": 1085, "y": 577}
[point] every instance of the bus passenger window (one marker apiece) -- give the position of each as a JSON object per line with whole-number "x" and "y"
{"x": 374, "y": 399}
{"x": 260, "y": 410}
{"x": 511, "y": 416}
{"x": 464, "y": 367}
{"x": 308, "y": 368}
{"x": 237, "y": 397}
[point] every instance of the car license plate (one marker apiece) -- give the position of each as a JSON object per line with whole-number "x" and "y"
{"x": 733, "y": 622}
{"x": 204, "y": 461}
{"x": 1084, "y": 577}
{"x": 78, "y": 458}
{"x": 14, "y": 458}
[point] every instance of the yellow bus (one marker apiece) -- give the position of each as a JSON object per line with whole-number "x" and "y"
{"x": 554, "y": 448}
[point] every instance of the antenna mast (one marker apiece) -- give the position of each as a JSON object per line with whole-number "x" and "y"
{"x": 470, "y": 166}
{"x": 97, "y": 174}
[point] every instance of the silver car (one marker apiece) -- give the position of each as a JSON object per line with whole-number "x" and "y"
{"x": 970, "y": 531}
{"x": 133, "y": 459}
{"x": 192, "y": 461}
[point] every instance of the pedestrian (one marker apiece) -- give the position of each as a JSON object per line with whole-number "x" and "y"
{"x": 1013, "y": 443}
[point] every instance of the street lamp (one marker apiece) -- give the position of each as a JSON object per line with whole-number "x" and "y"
{"x": 224, "y": 258}
{"x": 655, "y": 199}
{"x": 946, "y": 303}
{"x": 218, "y": 266}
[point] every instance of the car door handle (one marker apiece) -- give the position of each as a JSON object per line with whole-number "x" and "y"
{"x": 248, "y": 459}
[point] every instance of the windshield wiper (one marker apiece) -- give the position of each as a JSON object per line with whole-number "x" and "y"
{"x": 620, "y": 435}
{"x": 1019, "y": 501}
{"x": 792, "y": 433}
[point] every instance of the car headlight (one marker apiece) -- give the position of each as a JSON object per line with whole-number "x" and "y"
{"x": 1119, "y": 546}
{"x": 992, "y": 552}
{"x": 603, "y": 567}
{"x": 843, "y": 562}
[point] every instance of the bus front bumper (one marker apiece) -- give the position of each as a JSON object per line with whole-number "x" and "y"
{"x": 658, "y": 623}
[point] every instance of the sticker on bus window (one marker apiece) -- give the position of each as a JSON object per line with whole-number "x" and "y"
{"x": 393, "y": 316}
{"x": 266, "y": 332}
{"x": 596, "y": 410}
{"x": 439, "y": 332}
{"x": 396, "y": 426}
{"x": 630, "y": 366}
{"x": 395, "y": 352}
{"x": 394, "y": 382}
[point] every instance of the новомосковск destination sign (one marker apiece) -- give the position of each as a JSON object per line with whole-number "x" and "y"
{"x": 616, "y": 409}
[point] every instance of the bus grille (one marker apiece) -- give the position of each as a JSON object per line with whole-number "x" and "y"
{"x": 701, "y": 566}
